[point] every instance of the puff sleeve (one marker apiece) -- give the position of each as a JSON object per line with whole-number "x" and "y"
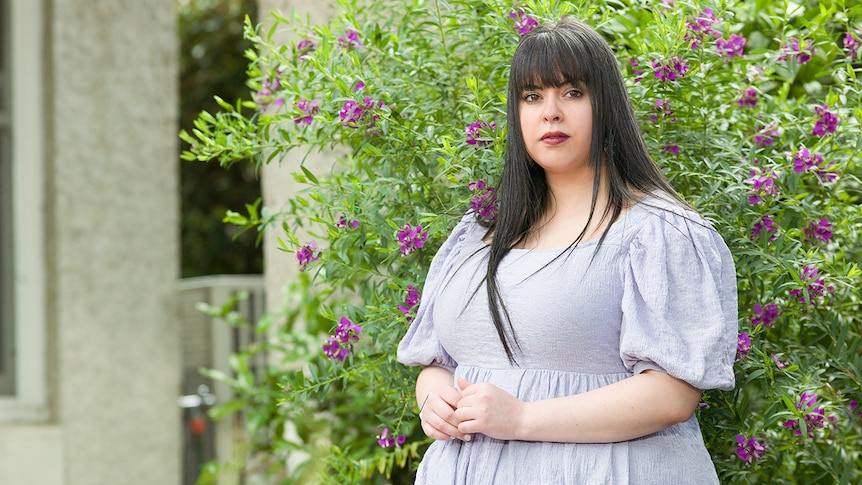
{"x": 679, "y": 302}
{"x": 420, "y": 346}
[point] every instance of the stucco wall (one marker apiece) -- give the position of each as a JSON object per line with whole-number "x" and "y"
{"x": 277, "y": 184}
{"x": 31, "y": 455}
{"x": 113, "y": 238}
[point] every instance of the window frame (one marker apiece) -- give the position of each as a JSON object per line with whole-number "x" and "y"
{"x": 7, "y": 330}
{"x": 24, "y": 74}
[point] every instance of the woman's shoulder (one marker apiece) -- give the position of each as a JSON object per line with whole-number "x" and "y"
{"x": 658, "y": 208}
{"x": 468, "y": 231}
{"x": 471, "y": 226}
{"x": 659, "y": 219}
{"x": 659, "y": 203}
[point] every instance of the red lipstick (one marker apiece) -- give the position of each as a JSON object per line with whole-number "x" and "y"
{"x": 554, "y": 137}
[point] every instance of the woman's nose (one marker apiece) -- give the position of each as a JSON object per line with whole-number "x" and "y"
{"x": 551, "y": 111}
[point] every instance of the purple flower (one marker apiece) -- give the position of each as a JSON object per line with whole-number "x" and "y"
{"x": 731, "y": 47}
{"x": 765, "y": 315}
{"x": 304, "y": 48}
{"x": 334, "y": 350}
{"x": 338, "y": 346}
{"x": 523, "y": 22}
{"x": 805, "y": 161}
{"x": 343, "y": 222}
{"x": 815, "y": 165}
{"x": 354, "y": 115}
{"x": 852, "y": 44}
{"x": 637, "y": 72}
{"x": 765, "y": 224}
{"x": 764, "y": 135}
{"x": 411, "y": 238}
{"x": 307, "y": 254}
{"x": 408, "y": 308}
{"x": 803, "y": 54}
{"x": 672, "y": 149}
{"x": 384, "y": 440}
{"x": 350, "y": 40}
{"x": 827, "y": 121}
{"x": 852, "y": 407}
{"x": 473, "y": 131}
{"x": 778, "y": 363}
{"x": 748, "y": 99}
{"x": 802, "y": 50}
{"x": 700, "y": 27}
{"x": 743, "y": 345}
{"x": 351, "y": 113}
{"x": 484, "y": 202}
{"x": 815, "y": 287}
{"x": 661, "y": 110}
{"x": 703, "y": 22}
{"x": 369, "y": 103}
{"x": 818, "y": 231}
{"x": 359, "y": 86}
{"x": 815, "y": 416}
{"x": 264, "y": 96}
{"x": 748, "y": 449}
{"x": 308, "y": 110}
{"x": 762, "y": 185}
{"x": 671, "y": 71}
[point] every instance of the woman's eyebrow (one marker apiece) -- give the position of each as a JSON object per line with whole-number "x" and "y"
{"x": 565, "y": 82}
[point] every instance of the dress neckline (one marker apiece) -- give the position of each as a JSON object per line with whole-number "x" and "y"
{"x": 586, "y": 244}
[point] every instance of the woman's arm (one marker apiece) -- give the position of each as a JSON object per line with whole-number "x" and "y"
{"x": 438, "y": 398}
{"x": 628, "y": 409}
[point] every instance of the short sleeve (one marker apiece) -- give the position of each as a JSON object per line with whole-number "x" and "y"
{"x": 679, "y": 301}
{"x": 420, "y": 346}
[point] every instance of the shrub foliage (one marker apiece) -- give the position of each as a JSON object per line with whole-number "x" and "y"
{"x": 751, "y": 108}
{"x": 211, "y": 63}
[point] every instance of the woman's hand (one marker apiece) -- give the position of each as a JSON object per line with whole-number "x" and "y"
{"x": 487, "y": 409}
{"x": 438, "y": 415}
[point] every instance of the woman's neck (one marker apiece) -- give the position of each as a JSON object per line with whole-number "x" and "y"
{"x": 569, "y": 213}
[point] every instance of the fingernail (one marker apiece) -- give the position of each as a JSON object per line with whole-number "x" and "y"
{"x": 467, "y": 437}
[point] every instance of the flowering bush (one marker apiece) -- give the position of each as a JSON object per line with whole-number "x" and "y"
{"x": 750, "y": 108}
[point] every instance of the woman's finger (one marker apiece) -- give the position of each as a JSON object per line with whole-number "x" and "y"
{"x": 439, "y": 420}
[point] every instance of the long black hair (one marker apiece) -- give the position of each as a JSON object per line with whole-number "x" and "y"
{"x": 551, "y": 55}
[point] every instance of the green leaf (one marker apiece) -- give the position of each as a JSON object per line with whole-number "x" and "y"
{"x": 219, "y": 411}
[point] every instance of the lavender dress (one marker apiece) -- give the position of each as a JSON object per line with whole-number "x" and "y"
{"x": 660, "y": 294}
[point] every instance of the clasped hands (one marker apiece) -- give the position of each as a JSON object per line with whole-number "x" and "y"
{"x": 460, "y": 412}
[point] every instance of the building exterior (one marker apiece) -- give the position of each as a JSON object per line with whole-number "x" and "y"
{"x": 89, "y": 224}
{"x": 277, "y": 183}
{"x": 97, "y": 335}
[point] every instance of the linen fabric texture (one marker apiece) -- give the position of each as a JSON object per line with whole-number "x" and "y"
{"x": 659, "y": 293}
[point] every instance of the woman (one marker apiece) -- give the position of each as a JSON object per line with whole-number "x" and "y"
{"x": 570, "y": 340}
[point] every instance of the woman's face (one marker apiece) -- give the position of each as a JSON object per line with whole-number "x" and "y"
{"x": 557, "y": 125}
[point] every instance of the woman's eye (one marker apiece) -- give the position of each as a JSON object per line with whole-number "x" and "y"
{"x": 530, "y": 97}
{"x": 574, "y": 93}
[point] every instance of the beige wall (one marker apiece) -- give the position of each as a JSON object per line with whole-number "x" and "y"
{"x": 112, "y": 253}
{"x": 113, "y": 176}
{"x": 31, "y": 455}
{"x": 277, "y": 184}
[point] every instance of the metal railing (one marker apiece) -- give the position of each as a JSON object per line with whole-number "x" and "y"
{"x": 208, "y": 342}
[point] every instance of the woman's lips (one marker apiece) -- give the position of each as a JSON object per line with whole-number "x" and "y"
{"x": 554, "y": 138}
